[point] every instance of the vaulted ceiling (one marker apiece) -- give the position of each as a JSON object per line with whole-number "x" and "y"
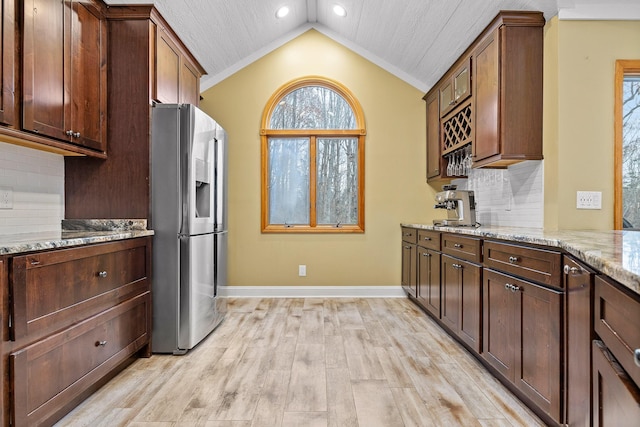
{"x": 416, "y": 40}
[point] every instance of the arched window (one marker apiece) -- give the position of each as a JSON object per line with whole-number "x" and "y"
{"x": 312, "y": 144}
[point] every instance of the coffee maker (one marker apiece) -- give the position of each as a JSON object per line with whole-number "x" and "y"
{"x": 460, "y": 206}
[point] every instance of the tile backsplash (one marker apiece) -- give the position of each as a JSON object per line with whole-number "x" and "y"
{"x": 37, "y": 181}
{"x": 510, "y": 197}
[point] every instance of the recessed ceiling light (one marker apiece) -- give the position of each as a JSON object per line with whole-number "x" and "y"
{"x": 282, "y": 12}
{"x": 339, "y": 10}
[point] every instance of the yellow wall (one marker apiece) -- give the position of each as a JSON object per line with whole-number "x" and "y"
{"x": 395, "y": 187}
{"x": 586, "y": 54}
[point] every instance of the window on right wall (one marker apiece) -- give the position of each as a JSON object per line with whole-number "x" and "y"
{"x": 627, "y": 145}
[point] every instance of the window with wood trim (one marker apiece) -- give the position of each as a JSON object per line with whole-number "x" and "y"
{"x": 312, "y": 147}
{"x": 627, "y": 145}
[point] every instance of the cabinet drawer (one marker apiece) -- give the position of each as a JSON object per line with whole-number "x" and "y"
{"x": 53, "y": 372}
{"x": 409, "y": 235}
{"x": 539, "y": 265}
{"x": 468, "y": 248}
{"x": 429, "y": 239}
{"x": 52, "y": 290}
{"x": 616, "y": 400}
{"x": 616, "y": 320}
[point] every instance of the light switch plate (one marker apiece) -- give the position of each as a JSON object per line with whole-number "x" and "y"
{"x": 589, "y": 200}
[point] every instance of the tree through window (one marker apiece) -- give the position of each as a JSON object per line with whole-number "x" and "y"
{"x": 627, "y": 152}
{"x": 312, "y": 141}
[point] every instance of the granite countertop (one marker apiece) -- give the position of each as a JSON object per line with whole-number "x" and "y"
{"x": 74, "y": 233}
{"x": 614, "y": 253}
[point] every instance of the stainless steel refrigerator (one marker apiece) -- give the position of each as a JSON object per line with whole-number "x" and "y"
{"x": 189, "y": 217}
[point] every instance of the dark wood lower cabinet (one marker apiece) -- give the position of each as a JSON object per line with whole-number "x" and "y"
{"x": 616, "y": 398}
{"x": 522, "y": 338}
{"x": 79, "y": 315}
{"x": 578, "y": 282}
{"x": 51, "y": 373}
{"x": 409, "y": 271}
{"x": 429, "y": 280}
{"x": 461, "y": 299}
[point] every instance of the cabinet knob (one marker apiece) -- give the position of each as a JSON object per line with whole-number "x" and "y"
{"x": 426, "y": 254}
{"x": 427, "y": 238}
{"x": 572, "y": 270}
{"x": 456, "y": 266}
{"x": 457, "y": 245}
{"x": 102, "y": 274}
{"x": 513, "y": 259}
{"x": 76, "y": 134}
{"x": 69, "y": 132}
{"x": 101, "y": 343}
{"x": 407, "y": 234}
{"x": 512, "y": 288}
{"x": 407, "y": 247}
{"x": 636, "y": 357}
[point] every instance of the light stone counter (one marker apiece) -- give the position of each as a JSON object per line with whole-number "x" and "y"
{"x": 614, "y": 253}
{"x": 74, "y": 233}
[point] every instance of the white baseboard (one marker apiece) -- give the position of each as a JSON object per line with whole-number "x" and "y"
{"x": 312, "y": 291}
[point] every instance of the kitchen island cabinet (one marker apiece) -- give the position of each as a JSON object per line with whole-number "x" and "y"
{"x": 616, "y": 355}
{"x": 85, "y": 310}
{"x": 64, "y": 74}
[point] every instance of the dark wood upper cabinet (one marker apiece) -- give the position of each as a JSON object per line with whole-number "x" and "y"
{"x": 177, "y": 78}
{"x": 434, "y": 157}
{"x": 8, "y": 96}
{"x": 456, "y": 88}
{"x": 64, "y": 75}
{"x": 507, "y": 88}
{"x": 143, "y": 51}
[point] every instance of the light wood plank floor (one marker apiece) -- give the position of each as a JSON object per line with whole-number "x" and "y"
{"x": 310, "y": 362}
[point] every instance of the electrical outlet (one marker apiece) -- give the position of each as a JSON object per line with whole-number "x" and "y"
{"x": 302, "y": 270}
{"x": 589, "y": 200}
{"x": 6, "y": 198}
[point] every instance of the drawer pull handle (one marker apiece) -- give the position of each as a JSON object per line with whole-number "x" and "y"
{"x": 512, "y": 288}
{"x": 513, "y": 259}
{"x": 427, "y": 238}
{"x": 101, "y": 343}
{"x": 35, "y": 262}
{"x": 407, "y": 247}
{"x": 456, "y": 266}
{"x": 426, "y": 254}
{"x": 636, "y": 357}
{"x": 102, "y": 274}
{"x": 572, "y": 270}
{"x": 408, "y": 234}
{"x": 457, "y": 245}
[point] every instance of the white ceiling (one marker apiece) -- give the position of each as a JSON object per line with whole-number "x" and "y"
{"x": 416, "y": 40}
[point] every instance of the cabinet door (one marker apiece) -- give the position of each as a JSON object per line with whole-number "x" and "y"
{"x": 434, "y": 157}
{"x": 50, "y": 374}
{"x": 88, "y": 81}
{"x": 189, "y": 84}
{"x": 8, "y": 107}
{"x": 167, "y": 69}
{"x": 462, "y": 82}
{"x": 429, "y": 280}
{"x": 486, "y": 89}
{"x": 578, "y": 282}
{"x": 616, "y": 399}
{"x": 470, "y": 304}
{"x": 46, "y": 68}
{"x": 409, "y": 278}
{"x": 538, "y": 369}
{"x": 499, "y": 323}
{"x": 450, "y": 288}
